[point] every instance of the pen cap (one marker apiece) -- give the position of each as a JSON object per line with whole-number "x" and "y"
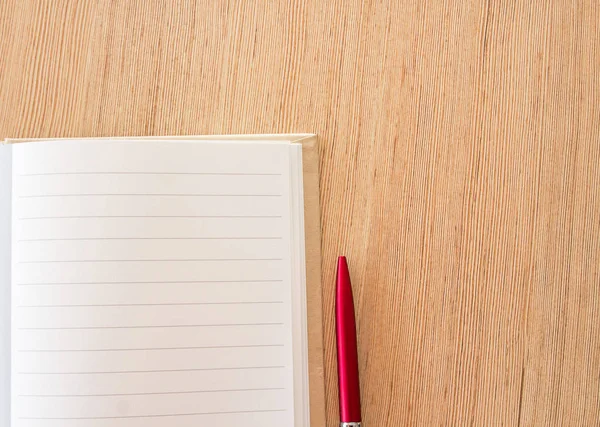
{"x": 347, "y": 356}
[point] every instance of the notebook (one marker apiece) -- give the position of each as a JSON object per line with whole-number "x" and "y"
{"x": 161, "y": 282}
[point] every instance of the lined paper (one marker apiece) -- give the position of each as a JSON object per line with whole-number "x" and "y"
{"x": 5, "y": 277}
{"x": 151, "y": 284}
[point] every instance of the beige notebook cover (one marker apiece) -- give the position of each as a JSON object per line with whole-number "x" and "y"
{"x": 312, "y": 258}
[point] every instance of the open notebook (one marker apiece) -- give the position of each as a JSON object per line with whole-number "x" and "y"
{"x": 161, "y": 282}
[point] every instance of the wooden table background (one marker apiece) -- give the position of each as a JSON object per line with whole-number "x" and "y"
{"x": 460, "y": 159}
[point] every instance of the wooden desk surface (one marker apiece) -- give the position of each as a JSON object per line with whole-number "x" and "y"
{"x": 460, "y": 157}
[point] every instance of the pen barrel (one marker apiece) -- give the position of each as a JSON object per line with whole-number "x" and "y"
{"x": 347, "y": 356}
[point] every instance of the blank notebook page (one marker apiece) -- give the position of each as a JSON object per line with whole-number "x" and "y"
{"x": 152, "y": 284}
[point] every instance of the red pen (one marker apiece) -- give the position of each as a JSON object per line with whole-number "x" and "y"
{"x": 347, "y": 357}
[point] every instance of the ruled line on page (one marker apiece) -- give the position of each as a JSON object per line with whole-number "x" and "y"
{"x": 233, "y": 390}
{"x": 150, "y": 304}
{"x": 93, "y": 350}
{"x": 189, "y": 414}
{"x": 183, "y": 282}
{"x": 154, "y": 371}
{"x": 152, "y": 326}
{"x": 148, "y": 238}
{"x": 153, "y": 173}
{"x": 33, "y": 196}
{"x": 149, "y": 216}
{"x": 91, "y": 261}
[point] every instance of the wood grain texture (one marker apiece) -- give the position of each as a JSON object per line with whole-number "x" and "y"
{"x": 460, "y": 167}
